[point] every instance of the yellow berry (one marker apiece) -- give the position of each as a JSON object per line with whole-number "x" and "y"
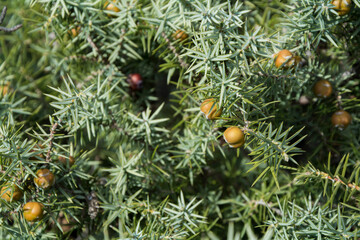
{"x": 33, "y": 211}
{"x": 11, "y": 193}
{"x": 234, "y": 136}
{"x": 322, "y": 88}
{"x": 342, "y": 6}
{"x": 286, "y": 59}
{"x": 210, "y": 109}
{"x": 110, "y": 6}
{"x": 4, "y": 89}
{"x": 64, "y": 160}
{"x": 180, "y": 35}
{"x": 75, "y": 31}
{"x": 341, "y": 119}
{"x": 45, "y": 178}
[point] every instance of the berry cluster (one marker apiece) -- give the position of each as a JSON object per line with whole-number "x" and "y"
{"x": 322, "y": 89}
{"x": 45, "y": 179}
{"x": 234, "y": 136}
{"x": 341, "y": 118}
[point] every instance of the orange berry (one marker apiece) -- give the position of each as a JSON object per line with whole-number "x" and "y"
{"x": 64, "y": 160}
{"x": 341, "y": 119}
{"x": 4, "y": 89}
{"x": 45, "y": 178}
{"x": 75, "y": 31}
{"x": 110, "y": 6}
{"x": 11, "y": 193}
{"x": 282, "y": 57}
{"x": 180, "y": 35}
{"x": 234, "y": 136}
{"x": 322, "y": 88}
{"x": 210, "y": 109}
{"x": 33, "y": 211}
{"x": 286, "y": 59}
{"x": 342, "y": 6}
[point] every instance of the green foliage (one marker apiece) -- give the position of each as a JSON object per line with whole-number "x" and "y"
{"x": 313, "y": 221}
{"x": 148, "y": 164}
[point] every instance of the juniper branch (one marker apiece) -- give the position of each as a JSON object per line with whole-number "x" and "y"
{"x": 4, "y": 29}
{"x": 13, "y": 29}
{"x": 172, "y": 48}
{"x": 51, "y": 137}
{"x": 3, "y": 13}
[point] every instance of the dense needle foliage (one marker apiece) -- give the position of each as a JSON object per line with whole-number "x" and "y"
{"x": 134, "y": 157}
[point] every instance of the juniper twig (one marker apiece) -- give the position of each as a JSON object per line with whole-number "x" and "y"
{"x": 51, "y": 137}
{"x": 2, "y": 16}
{"x": 3, "y": 13}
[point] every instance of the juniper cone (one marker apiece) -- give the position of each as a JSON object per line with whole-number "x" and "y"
{"x": 147, "y": 157}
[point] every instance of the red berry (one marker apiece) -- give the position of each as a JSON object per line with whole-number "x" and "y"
{"x": 135, "y": 81}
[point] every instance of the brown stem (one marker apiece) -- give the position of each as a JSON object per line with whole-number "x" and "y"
{"x": 337, "y": 180}
{"x": 173, "y": 49}
{"x": 92, "y": 44}
{"x": 51, "y": 137}
{"x": 338, "y": 101}
{"x": 2, "y": 16}
{"x": 3, "y": 13}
